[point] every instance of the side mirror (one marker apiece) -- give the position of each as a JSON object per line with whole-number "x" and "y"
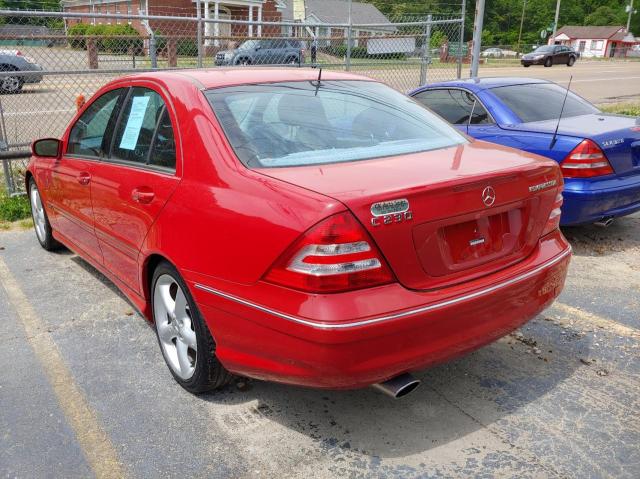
{"x": 47, "y": 147}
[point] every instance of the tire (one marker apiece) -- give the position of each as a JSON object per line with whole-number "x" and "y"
{"x": 243, "y": 61}
{"x": 526, "y": 66}
{"x": 291, "y": 61}
{"x": 10, "y": 83}
{"x": 184, "y": 338}
{"x": 41, "y": 223}
{"x": 548, "y": 62}
{"x": 571, "y": 61}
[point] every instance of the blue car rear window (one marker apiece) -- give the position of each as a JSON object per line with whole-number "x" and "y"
{"x": 542, "y": 101}
{"x": 306, "y": 123}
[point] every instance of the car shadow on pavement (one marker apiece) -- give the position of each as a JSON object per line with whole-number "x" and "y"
{"x": 592, "y": 240}
{"x": 455, "y": 400}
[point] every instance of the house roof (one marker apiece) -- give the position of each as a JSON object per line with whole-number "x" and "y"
{"x": 337, "y": 11}
{"x": 591, "y": 32}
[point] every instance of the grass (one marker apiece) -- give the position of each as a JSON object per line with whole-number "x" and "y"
{"x": 631, "y": 109}
{"x": 13, "y": 208}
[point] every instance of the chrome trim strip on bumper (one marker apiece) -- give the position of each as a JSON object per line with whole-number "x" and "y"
{"x": 411, "y": 312}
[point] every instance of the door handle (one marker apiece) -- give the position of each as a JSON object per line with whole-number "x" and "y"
{"x": 144, "y": 196}
{"x": 83, "y": 178}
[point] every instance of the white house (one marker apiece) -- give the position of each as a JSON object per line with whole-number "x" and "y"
{"x": 595, "y": 41}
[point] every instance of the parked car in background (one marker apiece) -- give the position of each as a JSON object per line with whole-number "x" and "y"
{"x": 492, "y": 53}
{"x": 634, "y": 51}
{"x": 549, "y": 55}
{"x": 12, "y": 62}
{"x": 598, "y": 153}
{"x": 222, "y": 204}
{"x": 275, "y": 51}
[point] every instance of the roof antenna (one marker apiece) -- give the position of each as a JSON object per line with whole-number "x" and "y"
{"x": 555, "y": 134}
{"x": 319, "y": 77}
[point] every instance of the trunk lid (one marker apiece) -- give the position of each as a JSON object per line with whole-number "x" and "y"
{"x": 447, "y": 234}
{"x": 618, "y": 136}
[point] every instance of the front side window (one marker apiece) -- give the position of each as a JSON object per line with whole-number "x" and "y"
{"x": 455, "y": 106}
{"x": 306, "y": 123}
{"x": 542, "y": 101}
{"x": 144, "y": 119}
{"x": 87, "y": 137}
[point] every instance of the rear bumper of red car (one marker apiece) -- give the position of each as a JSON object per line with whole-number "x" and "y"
{"x": 355, "y": 339}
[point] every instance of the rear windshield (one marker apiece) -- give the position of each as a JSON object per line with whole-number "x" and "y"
{"x": 306, "y": 123}
{"x": 542, "y": 101}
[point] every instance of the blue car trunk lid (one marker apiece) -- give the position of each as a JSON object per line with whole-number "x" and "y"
{"x": 618, "y": 136}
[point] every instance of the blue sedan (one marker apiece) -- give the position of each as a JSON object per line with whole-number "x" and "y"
{"x": 599, "y": 153}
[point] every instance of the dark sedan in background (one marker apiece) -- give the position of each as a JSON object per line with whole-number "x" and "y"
{"x": 549, "y": 55}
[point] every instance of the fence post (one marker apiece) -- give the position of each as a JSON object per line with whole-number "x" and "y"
{"x": 426, "y": 51}
{"x": 8, "y": 178}
{"x": 349, "y": 38}
{"x": 461, "y": 40}
{"x": 199, "y": 34}
{"x": 172, "y": 52}
{"x": 153, "y": 53}
{"x": 92, "y": 52}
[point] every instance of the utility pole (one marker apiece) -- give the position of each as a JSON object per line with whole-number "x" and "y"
{"x": 477, "y": 38}
{"x": 630, "y": 7}
{"x": 524, "y": 5}
{"x": 555, "y": 22}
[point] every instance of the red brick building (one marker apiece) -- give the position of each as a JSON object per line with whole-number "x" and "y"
{"x": 266, "y": 10}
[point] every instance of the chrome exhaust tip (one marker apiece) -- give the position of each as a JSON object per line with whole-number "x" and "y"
{"x": 398, "y": 386}
{"x": 604, "y": 222}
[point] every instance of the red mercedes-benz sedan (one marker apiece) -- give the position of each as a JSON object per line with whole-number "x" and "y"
{"x": 318, "y": 229}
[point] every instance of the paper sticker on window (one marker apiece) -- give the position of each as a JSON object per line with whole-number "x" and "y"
{"x": 134, "y": 123}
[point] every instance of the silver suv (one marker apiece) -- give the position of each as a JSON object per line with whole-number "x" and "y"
{"x": 13, "y": 61}
{"x": 277, "y": 51}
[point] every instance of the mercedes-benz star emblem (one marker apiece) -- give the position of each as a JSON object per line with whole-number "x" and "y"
{"x": 488, "y": 196}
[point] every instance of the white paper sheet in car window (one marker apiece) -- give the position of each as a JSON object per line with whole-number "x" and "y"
{"x": 134, "y": 123}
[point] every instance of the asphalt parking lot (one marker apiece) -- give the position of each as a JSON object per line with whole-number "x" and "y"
{"x": 85, "y": 392}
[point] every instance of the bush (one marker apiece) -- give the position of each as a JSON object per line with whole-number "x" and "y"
{"x": 78, "y": 30}
{"x": 187, "y": 48}
{"x": 108, "y": 40}
{"x": 14, "y": 208}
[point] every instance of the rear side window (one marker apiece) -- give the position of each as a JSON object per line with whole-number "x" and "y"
{"x": 455, "y": 106}
{"x": 306, "y": 123}
{"x": 542, "y": 101}
{"x": 143, "y": 121}
{"x": 87, "y": 137}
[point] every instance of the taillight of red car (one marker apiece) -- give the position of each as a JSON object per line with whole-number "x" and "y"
{"x": 586, "y": 161}
{"x": 553, "y": 223}
{"x": 335, "y": 255}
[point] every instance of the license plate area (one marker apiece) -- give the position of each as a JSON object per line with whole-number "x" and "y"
{"x": 481, "y": 239}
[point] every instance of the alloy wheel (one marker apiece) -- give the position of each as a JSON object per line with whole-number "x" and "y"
{"x": 37, "y": 212}
{"x": 175, "y": 326}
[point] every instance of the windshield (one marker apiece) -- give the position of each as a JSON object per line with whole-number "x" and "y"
{"x": 249, "y": 45}
{"x": 542, "y": 101}
{"x": 543, "y": 49}
{"x": 303, "y": 123}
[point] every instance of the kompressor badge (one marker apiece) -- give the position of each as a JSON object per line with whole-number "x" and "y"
{"x": 392, "y": 211}
{"x": 542, "y": 186}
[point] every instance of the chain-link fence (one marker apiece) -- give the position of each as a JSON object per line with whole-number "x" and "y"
{"x": 49, "y": 59}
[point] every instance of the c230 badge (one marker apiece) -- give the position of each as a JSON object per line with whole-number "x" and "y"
{"x": 390, "y": 212}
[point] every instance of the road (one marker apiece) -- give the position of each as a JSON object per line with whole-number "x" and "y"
{"x": 85, "y": 392}
{"x": 597, "y": 81}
